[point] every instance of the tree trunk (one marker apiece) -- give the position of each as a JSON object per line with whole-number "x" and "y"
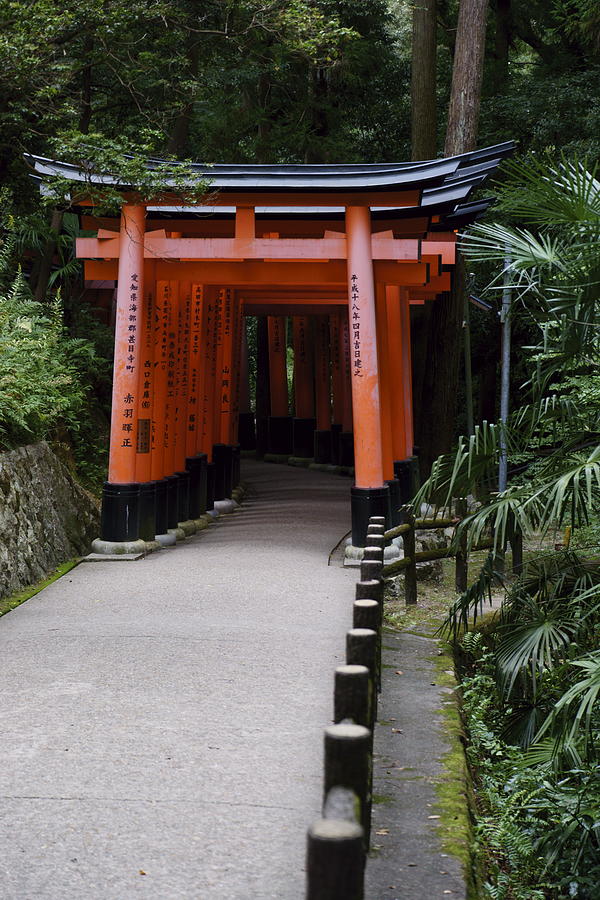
{"x": 45, "y": 267}
{"x": 440, "y": 384}
{"x": 503, "y": 39}
{"x": 178, "y": 140}
{"x": 423, "y": 80}
{"x": 467, "y": 74}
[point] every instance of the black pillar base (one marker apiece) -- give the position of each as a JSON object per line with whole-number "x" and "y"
{"x": 120, "y": 518}
{"x": 323, "y": 447}
{"x": 367, "y": 502}
{"x": 247, "y": 431}
{"x": 210, "y": 485}
{"x": 183, "y": 496}
{"x": 336, "y": 430}
{"x": 223, "y": 460}
{"x": 236, "y": 464}
{"x": 346, "y": 448}
{"x": 196, "y": 466}
{"x": 147, "y": 510}
{"x": 395, "y": 501}
{"x": 304, "y": 441}
{"x": 281, "y": 440}
{"x": 407, "y": 473}
{"x": 161, "y": 523}
{"x": 172, "y": 501}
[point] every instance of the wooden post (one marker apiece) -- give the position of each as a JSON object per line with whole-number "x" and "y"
{"x": 370, "y": 570}
{"x": 370, "y": 590}
{"x": 335, "y": 861}
{"x": 410, "y": 573}
{"x": 352, "y": 695}
{"x": 367, "y": 613}
{"x": 348, "y": 764}
{"x": 462, "y": 563}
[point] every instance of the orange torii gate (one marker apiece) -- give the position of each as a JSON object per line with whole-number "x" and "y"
{"x": 341, "y": 250}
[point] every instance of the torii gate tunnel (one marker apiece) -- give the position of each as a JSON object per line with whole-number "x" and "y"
{"x": 344, "y": 250}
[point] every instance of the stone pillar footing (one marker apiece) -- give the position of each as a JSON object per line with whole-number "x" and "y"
{"x": 166, "y": 540}
{"x": 118, "y": 548}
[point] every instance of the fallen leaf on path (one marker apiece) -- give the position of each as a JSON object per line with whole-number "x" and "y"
{"x": 398, "y": 672}
{"x": 383, "y": 831}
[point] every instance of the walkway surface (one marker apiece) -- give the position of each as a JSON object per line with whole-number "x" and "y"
{"x": 161, "y": 721}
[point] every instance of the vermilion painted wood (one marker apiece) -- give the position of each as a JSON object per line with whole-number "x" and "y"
{"x": 208, "y": 226}
{"x": 278, "y": 365}
{"x": 270, "y": 275}
{"x": 337, "y": 365}
{"x": 218, "y": 364}
{"x": 245, "y": 406}
{"x": 195, "y": 371}
{"x": 210, "y": 368}
{"x": 346, "y": 374}
{"x": 407, "y": 380}
{"x": 386, "y": 386}
{"x": 143, "y": 460}
{"x": 238, "y": 321}
{"x": 304, "y": 392}
{"x": 158, "y": 247}
{"x": 322, "y": 373}
{"x": 398, "y": 371}
{"x": 183, "y": 374}
{"x": 161, "y": 319}
{"x": 226, "y": 387}
{"x": 368, "y": 461}
{"x": 171, "y": 399}
{"x": 130, "y": 303}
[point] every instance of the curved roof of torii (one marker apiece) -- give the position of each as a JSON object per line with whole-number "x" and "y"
{"x": 226, "y": 177}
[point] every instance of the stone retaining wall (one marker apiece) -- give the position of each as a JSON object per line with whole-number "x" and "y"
{"x": 46, "y": 518}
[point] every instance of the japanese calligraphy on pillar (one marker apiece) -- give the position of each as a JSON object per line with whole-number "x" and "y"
{"x": 227, "y": 348}
{"x": 194, "y": 361}
{"x": 129, "y": 399}
{"x": 145, "y": 383}
{"x": 171, "y": 332}
{"x": 355, "y": 315}
{"x": 346, "y": 348}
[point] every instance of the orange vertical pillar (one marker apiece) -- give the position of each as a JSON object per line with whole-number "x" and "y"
{"x": 398, "y": 371}
{"x": 121, "y": 496}
{"x": 323, "y": 444}
{"x": 181, "y": 402}
{"x": 370, "y": 496}
{"x": 347, "y": 436}
{"x": 304, "y": 394}
{"x": 170, "y": 415}
{"x": 210, "y": 369}
{"x": 337, "y": 383}
{"x": 195, "y": 461}
{"x": 407, "y": 381}
{"x": 143, "y": 461}
{"x": 159, "y": 403}
{"x": 247, "y": 428}
{"x": 221, "y": 454}
{"x": 280, "y": 439}
{"x": 387, "y": 352}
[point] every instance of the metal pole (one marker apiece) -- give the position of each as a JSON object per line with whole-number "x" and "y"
{"x": 468, "y": 367}
{"x": 505, "y": 373}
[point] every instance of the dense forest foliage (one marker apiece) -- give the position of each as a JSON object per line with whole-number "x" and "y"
{"x": 383, "y": 80}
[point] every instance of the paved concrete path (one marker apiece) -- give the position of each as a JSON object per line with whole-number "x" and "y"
{"x": 161, "y": 721}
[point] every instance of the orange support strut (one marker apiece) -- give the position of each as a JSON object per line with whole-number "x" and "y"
{"x": 368, "y": 462}
{"x": 278, "y": 365}
{"x": 130, "y": 310}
